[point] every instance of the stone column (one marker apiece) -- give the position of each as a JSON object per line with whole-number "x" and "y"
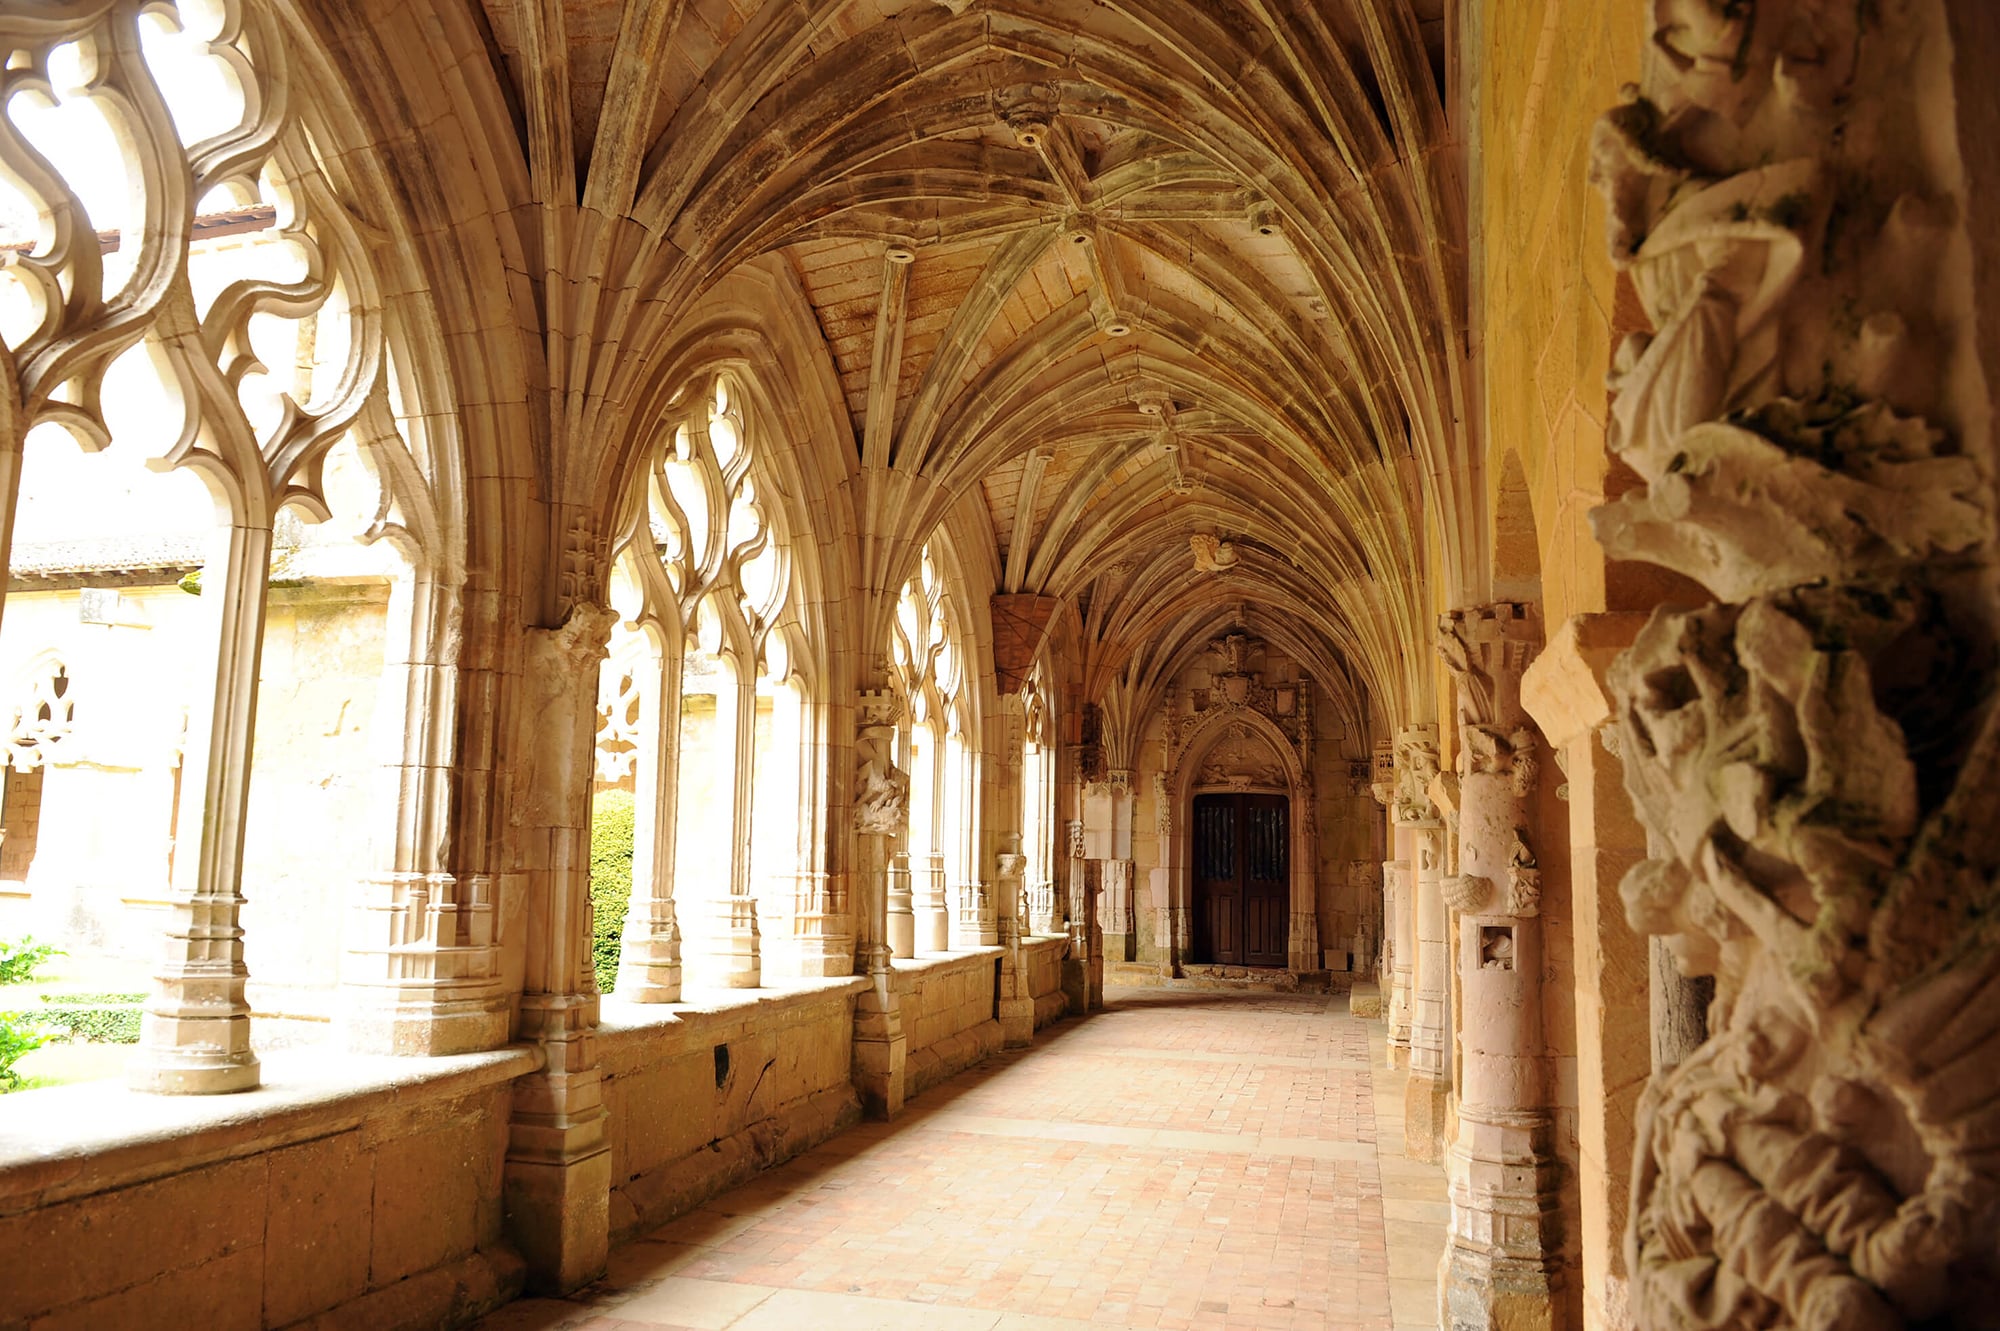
{"x": 649, "y": 956}
{"x": 1116, "y": 917}
{"x": 735, "y": 946}
{"x": 1015, "y": 1003}
{"x": 1083, "y": 968}
{"x": 196, "y": 1034}
{"x": 422, "y": 972}
{"x": 978, "y": 917}
{"x": 1399, "y": 944}
{"x": 1302, "y": 948}
{"x": 558, "y": 1170}
{"x": 881, "y": 813}
{"x": 933, "y": 915}
{"x": 1428, "y": 1088}
{"x": 1503, "y": 1253}
{"x": 1410, "y": 809}
{"x": 902, "y": 928}
{"x": 1566, "y": 692}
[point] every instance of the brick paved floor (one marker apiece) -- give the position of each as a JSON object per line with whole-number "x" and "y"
{"x": 1181, "y": 1161}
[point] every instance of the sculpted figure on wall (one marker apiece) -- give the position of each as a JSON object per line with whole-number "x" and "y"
{"x": 882, "y": 792}
{"x": 1814, "y": 755}
{"x": 1416, "y": 767}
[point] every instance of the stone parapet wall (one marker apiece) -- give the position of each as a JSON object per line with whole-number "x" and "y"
{"x": 1042, "y": 958}
{"x": 354, "y": 1191}
{"x": 705, "y": 1094}
{"x": 948, "y": 1006}
{"x": 366, "y": 1191}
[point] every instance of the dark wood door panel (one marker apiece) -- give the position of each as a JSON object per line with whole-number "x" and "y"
{"x": 1242, "y": 879}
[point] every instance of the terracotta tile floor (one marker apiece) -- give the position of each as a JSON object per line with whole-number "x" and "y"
{"x": 1183, "y": 1161}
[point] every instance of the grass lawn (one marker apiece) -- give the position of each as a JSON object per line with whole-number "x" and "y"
{"x": 61, "y": 1064}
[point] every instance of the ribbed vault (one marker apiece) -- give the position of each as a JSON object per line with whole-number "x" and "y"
{"x": 1122, "y": 274}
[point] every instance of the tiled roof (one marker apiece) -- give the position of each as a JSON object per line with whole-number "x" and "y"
{"x": 106, "y": 554}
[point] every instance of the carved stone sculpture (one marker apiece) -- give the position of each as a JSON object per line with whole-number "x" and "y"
{"x": 1814, "y": 756}
{"x": 881, "y": 791}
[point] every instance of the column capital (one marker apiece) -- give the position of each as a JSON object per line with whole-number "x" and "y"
{"x": 1488, "y": 648}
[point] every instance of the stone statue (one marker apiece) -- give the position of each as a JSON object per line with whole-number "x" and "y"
{"x": 881, "y": 789}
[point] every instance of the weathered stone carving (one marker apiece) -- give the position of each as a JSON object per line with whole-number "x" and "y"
{"x": 882, "y": 791}
{"x": 1416, "y": 766}
{"x": 1825, "y": 1158}
{"x": 1466, "y": 892}
{"x": 1212, "y": 554}
{"x": 1501, "y": 1267}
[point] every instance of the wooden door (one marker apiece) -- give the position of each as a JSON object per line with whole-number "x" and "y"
{"x": 1242, "y": 879}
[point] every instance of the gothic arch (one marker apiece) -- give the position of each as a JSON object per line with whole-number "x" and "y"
{"x": 1198, "y": 737}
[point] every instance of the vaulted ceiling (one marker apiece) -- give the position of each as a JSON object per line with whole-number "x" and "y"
{"x": 1112, "y": 273}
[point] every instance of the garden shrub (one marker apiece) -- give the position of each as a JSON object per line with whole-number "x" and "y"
{"x": 15, "y": 1040}
{"x": 611, "y": 833}
{"x": 90, "y": 1018}
{"x": 18, "y": 960}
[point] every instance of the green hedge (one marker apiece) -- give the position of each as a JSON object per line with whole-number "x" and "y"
{"x": 611, "y": 832}
{"x": 89, "y": 1018}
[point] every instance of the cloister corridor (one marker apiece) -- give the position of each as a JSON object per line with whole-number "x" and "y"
{"x": 1177, "y": 1160}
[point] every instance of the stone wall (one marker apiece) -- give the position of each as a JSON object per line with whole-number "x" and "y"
{"x": 948, "y": 1014}
{"x": 702, "y": 1097}
{"x": 374, "y": 1191}
{"x": 1043, "y": 958}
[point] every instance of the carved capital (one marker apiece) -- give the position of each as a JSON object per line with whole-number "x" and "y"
{"x": 1487, "y": 648}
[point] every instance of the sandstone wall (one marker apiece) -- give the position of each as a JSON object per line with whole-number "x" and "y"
{"x": 700, "y": 1098}
{"x": 376, "y": 1204}
{"x": 1043, "y": 958}
{"x": 948, "y": 1014}
{"x": 1546, "y": 311}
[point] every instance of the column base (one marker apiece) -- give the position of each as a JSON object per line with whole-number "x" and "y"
{"x": 1425, "y": 1107}
{"x": 187, "y": 1054}
{"x": 737, "y": 953}
{"x": 1398, "y": 1054}
{"x": 558, "y": 1216}
{"x": 1483, "y": 1292}
{"x": 644, "y": 983}
{"x": 880, "y": 1049}
{"x": 1501, "y": 1268}
{"x": 422, "y": 1025}
{"x": 902, "y": 935}
{"x": 160, "y": 1073}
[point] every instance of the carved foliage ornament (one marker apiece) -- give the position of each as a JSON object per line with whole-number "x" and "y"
{"x": 1827, "y": 1158}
